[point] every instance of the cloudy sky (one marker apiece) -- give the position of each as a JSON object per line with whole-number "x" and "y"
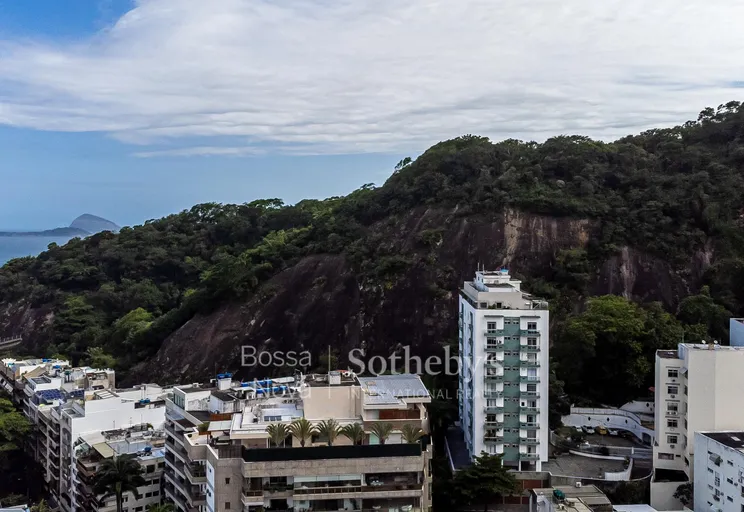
{"x": 132, "y": 110}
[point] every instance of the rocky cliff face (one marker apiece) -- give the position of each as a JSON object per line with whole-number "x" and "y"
{"x": 322, "y": 305}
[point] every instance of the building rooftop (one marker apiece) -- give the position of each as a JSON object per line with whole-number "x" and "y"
{"x": 667, "y": 354}
{"x": 578, "y": 499}
{"x": 732, "y": 439}
{"x": 392, "y": 389}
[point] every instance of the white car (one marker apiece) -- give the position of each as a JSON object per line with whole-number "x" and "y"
{"x": 613, "y": 432}
{"x": 588, "y": 430}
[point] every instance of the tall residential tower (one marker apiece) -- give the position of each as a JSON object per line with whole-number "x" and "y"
{"x": 504, "y": 383}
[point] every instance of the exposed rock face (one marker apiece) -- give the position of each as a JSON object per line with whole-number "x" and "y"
{"x": 321, "y": 303}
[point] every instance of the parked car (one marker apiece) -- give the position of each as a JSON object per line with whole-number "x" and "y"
{"x": 579, "y": 429}
{"x": 588, "y": 429}
{"x": 602, "y": 430}
{"x": 612, "y": 432}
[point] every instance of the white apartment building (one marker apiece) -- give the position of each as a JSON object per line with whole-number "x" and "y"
{"x": 697, "y": 389}
{"x": 504, "y": 345}
{"x": 67, "y": 403}
{"x": 219, "y": 456}
{"x": 719, "y": 471}
{"x": 143, "y": 442}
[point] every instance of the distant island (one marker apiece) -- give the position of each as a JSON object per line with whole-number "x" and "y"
{"x": 83, "y": 226}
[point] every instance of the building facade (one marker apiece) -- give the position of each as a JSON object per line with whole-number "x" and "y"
{"x": 504, "y": 351}
{"x": 219, "y": 455}
{"x": 695, "y": 387}
{"x": 719, "y": 471}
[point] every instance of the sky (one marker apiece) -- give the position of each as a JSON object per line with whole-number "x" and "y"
{"x": 132, "y": 110}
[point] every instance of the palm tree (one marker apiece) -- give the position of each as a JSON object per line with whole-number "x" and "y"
{"x": 278, "y": 433}
{"x": 163, "y": 507}
{"x": 382, "y": 431}
{"x": 302, "y": 430}
{"x": 354, "y": 433}
{"x": 116, "y": 476}
{"x": 411, "y": 434}
{"x": 330, "y": 429}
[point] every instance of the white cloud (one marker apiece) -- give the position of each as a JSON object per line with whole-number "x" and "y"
{"x": 350, "y": 76}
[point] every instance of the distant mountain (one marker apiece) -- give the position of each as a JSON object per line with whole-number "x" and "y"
{"x": 92, "y": 224}
{"x": 57, "y": 232}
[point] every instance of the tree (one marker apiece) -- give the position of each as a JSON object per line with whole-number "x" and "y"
{"x": 329, "y": 429}
{"x": 484, "y": 481}
{"x": 354, "y": 432}
{"x": 684, "y": 494}
{"x": 382, "y": 431}
{"x": 278, "y": 433}
{"x": 43, "y": 507}
{"x": 14, "y": 426}
{"x": 116, "y": 476}
{"x": 97, "y": 358}
{"x": 411, "y": 434}
{"x": 302, "y": 429}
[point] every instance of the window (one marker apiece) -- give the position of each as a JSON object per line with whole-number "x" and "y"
{"x": 672, "y": 373}
{"x": 227, "y": 481}
{"x": 671, "y": 423}
{"x": 499, "y": 305}
{"x": 532, "y": 326}
{"x": 672, "y": 407}
{"x": 672, "y": 390}
{"x": 492, "y": 326}
{"x": 227, "y": 505}
{"x": 672, "y": 439}
{"x": 531, "y": 342}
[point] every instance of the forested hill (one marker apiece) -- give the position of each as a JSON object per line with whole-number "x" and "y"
{"x": 652, "y": 217}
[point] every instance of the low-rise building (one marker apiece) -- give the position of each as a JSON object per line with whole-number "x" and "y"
{"x": 220, "y": 457}
{"x": 719, "y": 471}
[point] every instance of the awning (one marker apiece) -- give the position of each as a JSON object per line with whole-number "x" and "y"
{"x": 104, "y": 449}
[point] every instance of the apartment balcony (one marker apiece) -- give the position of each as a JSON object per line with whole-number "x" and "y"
{"x": 252, "y": 497}
{"x": 529, "y": 456}
{"x": 529, "y": 332}
{"x": 493, "y": 410}
{"x": 529, "y": 364}
{"x": 495, "y": 332}
{"x": 529, "y": 441}
{"x": 529, "y": 394}
{"x": 494, "y": 424}
{"x": 494, "y": 378}
{"x": 529, "y": 379}
{"x": 525, "y": 424}
{"x": 529, "y": 410}
{"x": 196, "y": 473}
{"x": 492, "y": 394}
{"x": 493, "y": 439}
{"x": 529, "y": 348}
{"x": 495, "y": 348}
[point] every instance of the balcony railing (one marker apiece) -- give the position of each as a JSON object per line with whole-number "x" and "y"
{"x": 493, "y": 439}
{"x": 529, "y": 425}
{"x": 494, "y": 424}
{"x": 489, "y": 393}
{"x": 493, "y": 410}
{"x": 529, "y": 378}
{"x": 495, "y": 332}
{"x": 529, "y": 456}
{"x": 529, "y": 394}
{"x": 196, "y": 473}
{"x": 529, "y": 332}
{"x": 529, "y": 348}
{"x": 495, "y": 348}
{"x": 529, "y": 364}
{"x": 494, "y": 378}
{"x": 531, "y": 441}
{"x": 529, "y": 409}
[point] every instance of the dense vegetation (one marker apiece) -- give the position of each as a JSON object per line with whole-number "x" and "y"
{"x": 671, "y": 192}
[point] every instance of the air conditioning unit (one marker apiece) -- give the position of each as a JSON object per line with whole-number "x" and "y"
{"x": 578, "y": 484}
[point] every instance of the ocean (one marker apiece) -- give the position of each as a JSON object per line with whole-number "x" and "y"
{"x": 19, "y": 246}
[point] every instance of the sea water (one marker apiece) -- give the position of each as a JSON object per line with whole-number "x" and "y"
{"x": 20, "y": 246}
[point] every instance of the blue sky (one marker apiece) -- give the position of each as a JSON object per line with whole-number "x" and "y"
{"x": 135, "y": 109}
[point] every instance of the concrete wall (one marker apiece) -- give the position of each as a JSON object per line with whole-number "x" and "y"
{"x": 728, "y": 484}
{"x": 639, "y": 407}
{"x": 662, "y": 496}
{"x": 610, "y": 418}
